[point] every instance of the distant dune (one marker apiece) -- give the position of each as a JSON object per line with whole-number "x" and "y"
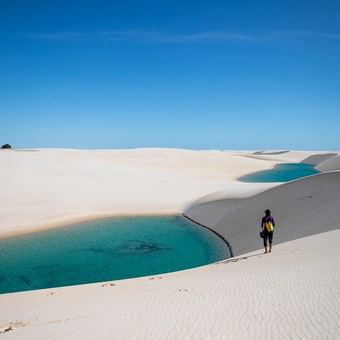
{"x": 318, "y": 159}
{"x": 269, "y": 153}
{"x": 330, "y": 164}
{"x": 301, "y": 208}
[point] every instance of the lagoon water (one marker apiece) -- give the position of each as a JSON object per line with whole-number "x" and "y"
{"x": 281, "y": 173}
{"x": 105, "y": 250}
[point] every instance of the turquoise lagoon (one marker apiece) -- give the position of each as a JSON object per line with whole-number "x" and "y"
{"x": 281, "y": 173}
{"x": 106, "y": 250}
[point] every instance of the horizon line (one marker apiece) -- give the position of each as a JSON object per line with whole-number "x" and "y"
{"x": 143, "y": 36}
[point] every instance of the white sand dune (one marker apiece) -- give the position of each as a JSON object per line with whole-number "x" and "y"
{"x": 331, "y": 164}
{"x": 320, "y": 158}
{"x": 288, "y": 294}
{"x": 48, "y": 188}
{"x": 289, "y": 156}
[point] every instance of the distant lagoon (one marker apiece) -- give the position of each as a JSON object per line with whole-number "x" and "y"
{"x": 281, "y": 173}
{"x": 106, "y": 250}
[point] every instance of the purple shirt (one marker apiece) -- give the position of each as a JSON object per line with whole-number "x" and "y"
{"x": 266, "y": 219}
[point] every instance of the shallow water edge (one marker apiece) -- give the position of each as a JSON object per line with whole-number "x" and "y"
{"x": 212, "y": 230}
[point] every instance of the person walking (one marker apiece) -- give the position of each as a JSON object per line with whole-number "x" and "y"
{"x": 267, "y": 225}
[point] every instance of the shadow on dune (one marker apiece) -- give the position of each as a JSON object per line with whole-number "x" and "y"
{"x": 318, "y": 159}
{"x": 301, "y": 208}
{"x": 269, "y": 153}
{"x": 332, "y": 164}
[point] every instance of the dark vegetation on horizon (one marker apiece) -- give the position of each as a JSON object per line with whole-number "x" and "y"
{"x": 6, "y": 146}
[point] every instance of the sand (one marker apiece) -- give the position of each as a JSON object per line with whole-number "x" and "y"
{"x": 291, "y": 293}
{"x": 301, "y": 208}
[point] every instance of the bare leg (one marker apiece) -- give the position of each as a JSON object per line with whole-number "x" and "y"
{"x": 266, "y": 249}
{"x": 270, "y": 247}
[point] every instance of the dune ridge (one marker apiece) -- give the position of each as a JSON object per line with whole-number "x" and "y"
{"x": 318, "y": 159}
{"x": 331, "y": 164}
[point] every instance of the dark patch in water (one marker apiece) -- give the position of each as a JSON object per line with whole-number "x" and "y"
{"x": 25, "y": 279}
{"x": 131, "y": 247}
{"x": 140, "y": 247}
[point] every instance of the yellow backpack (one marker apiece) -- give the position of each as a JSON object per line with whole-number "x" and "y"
{"x": 269, "y": 226}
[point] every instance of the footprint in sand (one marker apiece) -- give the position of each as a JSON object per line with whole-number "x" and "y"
{"x": 12, "y": 326}
{"x": 108, "y": 284}
{"x": 52, "y": 293}
{"x": 230, "y": 261}
{"x": 5, "y": 329}
{"x": 233, "y": 260}
{"x": 155, "y": 278}
{"x": 185, "y": 290}
{"x": 222, "y": 262}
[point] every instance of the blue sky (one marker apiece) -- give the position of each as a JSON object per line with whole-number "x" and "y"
{"x": 199, "y": 75}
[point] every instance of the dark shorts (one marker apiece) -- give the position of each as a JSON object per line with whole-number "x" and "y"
{"x": 269, "y": 236}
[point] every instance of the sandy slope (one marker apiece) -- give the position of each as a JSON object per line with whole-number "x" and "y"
{"x": 301, "y": 208}
{"x": 331, "y": 164}
{"x": 290, "y": 293}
